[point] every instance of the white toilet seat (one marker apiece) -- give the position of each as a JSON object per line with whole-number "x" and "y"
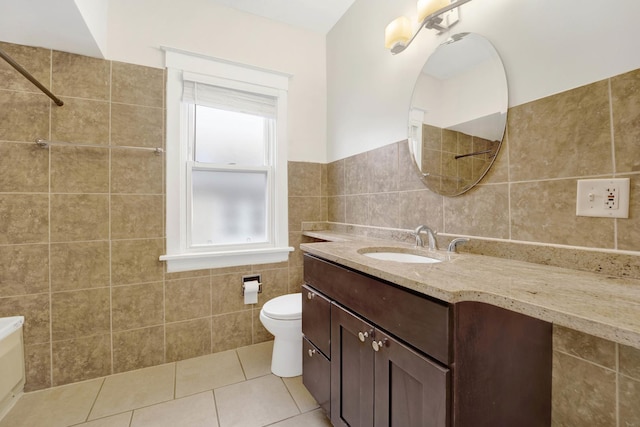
{"x": 285, "y": 307}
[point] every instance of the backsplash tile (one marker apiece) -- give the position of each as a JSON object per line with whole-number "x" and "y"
{"x": 626, "y": 120}
{"x": 80, "y": 76}
{"x": 564, "y": 135}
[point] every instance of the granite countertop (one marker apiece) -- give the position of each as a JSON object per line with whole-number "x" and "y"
{"x": 600, "y": 305}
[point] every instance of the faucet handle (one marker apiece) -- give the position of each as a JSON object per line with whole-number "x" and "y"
{"x": 455, "y": 242}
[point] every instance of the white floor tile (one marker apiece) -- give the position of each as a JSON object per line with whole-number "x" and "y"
{"x": 54, "y": 407}
{"x": 256, "y": 359}
{"x": 310, "y": 419}
{"x": 208, "y": 372}
{"x": 254, "y": 403}
{"x": 135, "y": 389}
{"x": 198, "y": 410}
{"x": 300, "y": 394}
{"x": 120, "y": 420}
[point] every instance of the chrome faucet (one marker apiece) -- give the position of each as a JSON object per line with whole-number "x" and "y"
{"x": 455, "y": 242}
{"x": 433, "y": 243}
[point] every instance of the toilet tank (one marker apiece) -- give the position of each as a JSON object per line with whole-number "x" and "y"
{"x": 11, "y": 361}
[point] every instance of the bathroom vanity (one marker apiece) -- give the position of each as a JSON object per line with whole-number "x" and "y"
{"x": 378, "y": 354}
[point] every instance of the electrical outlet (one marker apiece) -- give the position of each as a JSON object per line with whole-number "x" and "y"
{"x": 606, "y": 198}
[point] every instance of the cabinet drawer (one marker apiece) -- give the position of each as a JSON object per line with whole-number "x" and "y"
{"x": 416, "y": 319}
{"x": 316, "y": 319}
{"x": 316, "y": 375}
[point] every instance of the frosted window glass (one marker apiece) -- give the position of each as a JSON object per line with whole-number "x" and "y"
{"x": 229, "y": 207}
{"x": 229, "y": 138}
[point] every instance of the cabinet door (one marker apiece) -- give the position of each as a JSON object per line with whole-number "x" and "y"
{"x": 351, "y": 370}
{"x": 316, "y": 319}
{"x": 410, "y": 389}
{"x": 316, "y": 375}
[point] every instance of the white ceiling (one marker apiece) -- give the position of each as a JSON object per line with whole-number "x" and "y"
{"x": 70, "y": 25}
{"x": 315, "y": 15}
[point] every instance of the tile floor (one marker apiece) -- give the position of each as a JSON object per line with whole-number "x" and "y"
{"x": 233, "y": 388}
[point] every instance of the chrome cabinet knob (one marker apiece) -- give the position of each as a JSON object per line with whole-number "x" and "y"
{"x": 377, "y": 345}
{"x": 310, "y": 295}
{"x": 311, "y": 352}
{"x": 363, "y": 336}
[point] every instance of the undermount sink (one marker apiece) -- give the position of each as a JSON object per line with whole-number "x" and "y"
{"x": 398, "y": 256}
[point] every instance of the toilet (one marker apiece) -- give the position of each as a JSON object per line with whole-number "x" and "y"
{"x": 282, "y": 316}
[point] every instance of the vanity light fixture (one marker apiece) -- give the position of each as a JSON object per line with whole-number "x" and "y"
{"x": 434, "y": 14}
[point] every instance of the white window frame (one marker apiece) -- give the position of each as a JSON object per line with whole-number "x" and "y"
{"x": 180, "y": 254}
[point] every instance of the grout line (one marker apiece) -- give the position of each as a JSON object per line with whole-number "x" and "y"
{"x": 49, "y": 232}
{"x": 109, "y": 226}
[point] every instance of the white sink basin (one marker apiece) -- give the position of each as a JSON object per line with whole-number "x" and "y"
{"x": 401, "y": 257}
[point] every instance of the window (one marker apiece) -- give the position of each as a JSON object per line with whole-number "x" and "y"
{"x": 226, "y": 164}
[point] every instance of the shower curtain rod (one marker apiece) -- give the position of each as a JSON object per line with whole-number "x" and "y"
{"x": 29, "y": 77}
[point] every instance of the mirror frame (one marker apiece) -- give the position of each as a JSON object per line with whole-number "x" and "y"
{"x": 478, "y": 138}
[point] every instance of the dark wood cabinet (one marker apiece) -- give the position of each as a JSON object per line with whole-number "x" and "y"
{"x": 398, "y": 358}
{"x": 378, "y": 381}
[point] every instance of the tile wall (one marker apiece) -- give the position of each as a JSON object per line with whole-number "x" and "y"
{"x": 526, "y": 202}
{"x": 81, "y": 228}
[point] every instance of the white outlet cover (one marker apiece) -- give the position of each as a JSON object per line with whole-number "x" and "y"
{"x": 592, "y": 197}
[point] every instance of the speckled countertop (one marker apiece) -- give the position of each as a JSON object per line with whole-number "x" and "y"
{"x": 600, "y": 305}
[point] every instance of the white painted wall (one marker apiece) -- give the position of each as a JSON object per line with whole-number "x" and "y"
{"x": 94, "y": 13}
{"x": 547, "y": 46}
{"x": 138, "y": 28}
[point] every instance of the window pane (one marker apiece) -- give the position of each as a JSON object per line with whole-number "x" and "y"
{"x": 228, "y": 207}
{"x": 229, "y": 138}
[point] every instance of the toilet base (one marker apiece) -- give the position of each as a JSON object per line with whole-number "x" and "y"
{"x": 286, "y": 360}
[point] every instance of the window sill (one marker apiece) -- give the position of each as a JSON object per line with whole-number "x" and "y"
{"x": 204, "y": 260}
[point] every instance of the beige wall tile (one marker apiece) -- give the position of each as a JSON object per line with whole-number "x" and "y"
{"x": 135, "y": 171}
{"x": 24, "y": 168}
{"x": 357, "y": 209}
{"x": 79, "y": 265}
{"x": 136, "y": 261}
{"x": 35, "y": 309}
{"x": 136, "y": 216}
{"x": 24, "y": 269}
{"x": 260, "y": 333}
{"x": 625, "y": 99}
{"x": 231, "y": 330}
{"x": 335, "y": 178}
{"x": 25, "y": 218}
{"x": 296, "y": 279}
{"x": 187, "y": 299}
{"x": 23, "y": 116}
{"x": 137, "y": 306}
{"x": 629, "y": 228}
{"x": 582, "y": 393}
{"x": 191, "y": 338}
{"x": 564, "y": 135}
{"x": 76, "y": 314}
{"x": 37, "y": 359}
{"x": 136, "y": 126}
{"x": 550, "y": 216}
{"x": 304, "y": 209}
{"x": 79, "y": 170}
{"x": 81, "y": 359}
{"x": 356, "y": 174}
{"x": 136, "y": 84}
{"x": 483, "y": 211}
{"x": 420, "y": 207}
{"x": 34, "y": 59}
{"x": 82, "y": 121}
{"x": 226, "y": 294}
{"x": 138, "y": 348}
{"x": 384, "y": 210}
{"x": 383, "y": 169}
{"x": 79, "y": 217}
{"x": 336, "y": 209}
{"x": 588, "y": 347}
{"x": 629, "y": 361}
{"x": 629, "y": 392}
{"x": 80, "y": 76}
{"x": 305, "y": 179}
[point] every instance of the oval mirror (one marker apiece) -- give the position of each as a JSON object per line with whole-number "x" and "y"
{"x": 458, "y": 114}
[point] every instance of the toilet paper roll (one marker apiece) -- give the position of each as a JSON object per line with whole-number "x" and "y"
{"x": 251, "y": 289}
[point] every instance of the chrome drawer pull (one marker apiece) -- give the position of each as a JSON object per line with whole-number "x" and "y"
{"x": 310, "y": 295}
{"x": 311, "y": 352}
{"x": 363, "y": 336}
{"x": 377, "y": 345}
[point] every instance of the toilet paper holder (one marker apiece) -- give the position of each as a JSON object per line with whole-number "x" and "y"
{"x": 251, "y": 278}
